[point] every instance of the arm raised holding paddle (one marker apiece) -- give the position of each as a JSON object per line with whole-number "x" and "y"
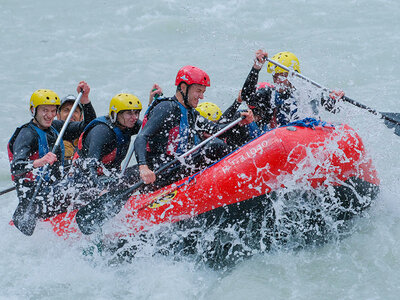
{"x": 392, "y": 118}
{"x": 38, "y": 187}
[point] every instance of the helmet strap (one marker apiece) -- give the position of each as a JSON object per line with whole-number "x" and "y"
{"x": 114, "y": 120}
{"x": 123, "y": 127}
{"x": 185, "y": 96}
{"x": 113, "y": 117}
{"x": 33, "y": 113}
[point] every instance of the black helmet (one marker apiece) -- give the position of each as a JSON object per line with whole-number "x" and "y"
{"x": 69, "y": 98}
{"x": 260, "y": 102}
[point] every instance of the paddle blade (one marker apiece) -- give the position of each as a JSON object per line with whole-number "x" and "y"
{"x": 92, "y": 217}
{"x": 25, "y": 217}
{"x": 392, "y": 120}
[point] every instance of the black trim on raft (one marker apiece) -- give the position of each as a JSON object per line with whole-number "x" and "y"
{"x": 226, "y": 235}
{"x": 350, "y": 204}
{"x": 309, "y": 217}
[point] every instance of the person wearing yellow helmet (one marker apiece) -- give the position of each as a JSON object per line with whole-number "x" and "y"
{"x": 104, "y": 143}
{"x": 277, "y": 104}
{"x": 30, "y": 145}
{"x": 210, "y": 111}
{"x": 236, "y": 136}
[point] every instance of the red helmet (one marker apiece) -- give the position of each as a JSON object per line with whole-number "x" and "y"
{"x": 191, "y": 75}
{"x": 263, "y": 85}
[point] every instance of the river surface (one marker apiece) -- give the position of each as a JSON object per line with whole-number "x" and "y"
{"x": 126, "y": 46}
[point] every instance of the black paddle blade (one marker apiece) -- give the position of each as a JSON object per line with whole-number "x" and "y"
{"x": 92, "y": 217}
{"x": 25, "y": 218}
{"x": 393, "y": 122}
{"x": 7, "y": 190}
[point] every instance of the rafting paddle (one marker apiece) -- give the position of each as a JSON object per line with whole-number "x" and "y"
{"x": 7, "y": 190}
{"x": 93, "y": 216}
{"x": 25, "y": 217}
{"x": 391, "y": 117}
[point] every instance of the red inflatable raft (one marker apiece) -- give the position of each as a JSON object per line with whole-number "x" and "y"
{"x": 245, "y": 183}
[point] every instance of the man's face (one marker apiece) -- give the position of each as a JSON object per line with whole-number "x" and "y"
{"x": 196, "y": 92}
{"x": 281, "y": 81}
{"x": 45, "y": 115}
{"x": 64, "y": 111}
{"x": 128, "y": 118}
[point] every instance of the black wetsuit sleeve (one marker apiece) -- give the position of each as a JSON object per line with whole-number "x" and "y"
{"x": 230, "y": 113}
{"x": 75, "y": 129}
{"x": 210, "y": 127}
{"x": 161, "y": 118}
{"x": 249, "y": 87}
{"x": 99, "y": 141}
{"x": 24, "y": 146}
{"x": 89, "y": 114}
{"x": 329, "y": 104}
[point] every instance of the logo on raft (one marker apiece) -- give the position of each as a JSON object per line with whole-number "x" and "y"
{"x": 163, "y": 199}
{"x": 250, "y": 153}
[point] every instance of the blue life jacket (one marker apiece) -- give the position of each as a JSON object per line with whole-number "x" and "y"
{"x": 255, "y": 131}
{"x": 123, "y": 139}
{"x": 43, "y": 146}
{"x": 284, "y": 114}
{"x": 184, "y": 131}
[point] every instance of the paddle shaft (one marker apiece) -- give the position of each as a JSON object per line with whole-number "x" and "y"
{"x": 187, "y": 153}
{"x": 7, "y": 190}
{"x": 58, "y": 141}
{"x": 92, "y": 216}
{"x": 130, "y": 153}
{"x": 345, "y": 98}
{"x": 26, "y": 222}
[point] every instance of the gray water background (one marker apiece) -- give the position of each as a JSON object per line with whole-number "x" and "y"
{"x": 126, "y": 46}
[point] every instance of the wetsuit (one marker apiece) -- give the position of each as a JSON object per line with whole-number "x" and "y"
{"x": 169, "y": 131}
{"x": 101, "y": 149}
{"x": 275, "y": 108}
{"x": 239, "y": 135}
{"x": 29, "y": 143}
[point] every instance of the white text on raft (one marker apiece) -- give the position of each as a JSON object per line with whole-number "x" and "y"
{"x": 248, "y": 154}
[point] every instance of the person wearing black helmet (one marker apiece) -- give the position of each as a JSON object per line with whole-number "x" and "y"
{"x": 65, "y": 107}
{"x": 62, "y": 113}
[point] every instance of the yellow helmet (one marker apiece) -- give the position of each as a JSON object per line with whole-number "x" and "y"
{"x": 123, "y": 102}
{"x": 43, "y": 97}
{"x": 209, "y": 111}
{"x": 288, "y": 59}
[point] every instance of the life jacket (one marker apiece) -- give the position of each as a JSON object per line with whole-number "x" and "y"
{"x": 118, "y": 153}
{"x": 43, "y": 148}
{"x": 178, "y": 136}
{"x": 255, "y": 130}
{"x": 70, "y": 148}
{"x": 282, "y": 114}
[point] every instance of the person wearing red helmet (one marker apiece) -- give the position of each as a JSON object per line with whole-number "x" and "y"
{"x": 171, "y": 127}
